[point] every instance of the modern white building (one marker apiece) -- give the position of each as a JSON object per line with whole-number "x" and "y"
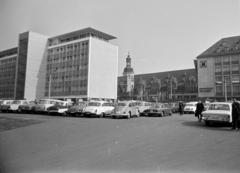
{"x": 78, "y": 65}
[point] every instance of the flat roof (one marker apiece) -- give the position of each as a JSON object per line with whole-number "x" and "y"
{"x": 85, "y": 31}
{"x": 9, "y": 50}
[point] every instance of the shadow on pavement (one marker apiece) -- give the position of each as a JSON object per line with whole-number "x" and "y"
{"x": 213, "y": 126}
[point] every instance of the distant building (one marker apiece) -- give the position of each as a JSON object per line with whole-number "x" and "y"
{"x": 218, "y": 70}
{"x": 74, "y": 65}
{"x": 165, "y": 86}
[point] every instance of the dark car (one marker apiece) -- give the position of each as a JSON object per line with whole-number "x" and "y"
{"x": 77, "y": 109}
{"x": 159, "y": 109}
{"x": 59, "y": 107}
{"x": 174, "y": 107}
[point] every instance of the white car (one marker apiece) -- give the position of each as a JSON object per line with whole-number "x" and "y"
{"x": 14, "y": 106}
{"x": 98, "y": 108}
{"x": 190, "y": 107}
{"x": 218, "y": 112}
{"x": 5, "y": 104}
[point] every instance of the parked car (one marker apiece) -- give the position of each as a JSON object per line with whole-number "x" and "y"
{"x": 27, "y": 107}
{"x": 160, "y": 109}
{"x": 126, "y": 109}
{"x": 98, "y": 108}
{"x": 174, "y": 107}
{"x": 218, "y": 112}
{"x": 14, "y": 106}
{"x": 43, "y": 104}
{"x": 142, "y": 106}
{"x": 77, "y": 109}
{"x": 60, "y": 107}
{"x": 190, "y": 107}
{"x": 5, "y": 104}
{"x": 206, "y": 105}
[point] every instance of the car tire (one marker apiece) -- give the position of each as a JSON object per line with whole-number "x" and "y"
{"x": 207, "y": 123}
{"x": 128, "y": 115}
{"x": 113, "y": 117}
{"x": 101, "y": 115}
{"x": 170, "y": 114}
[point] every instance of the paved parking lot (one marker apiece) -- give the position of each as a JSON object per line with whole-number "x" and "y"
{"x": 43, "y": 143}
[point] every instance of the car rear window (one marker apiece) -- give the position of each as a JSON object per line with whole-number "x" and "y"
{"x": 121, "y": 104}
{"x": 94, "y": 104}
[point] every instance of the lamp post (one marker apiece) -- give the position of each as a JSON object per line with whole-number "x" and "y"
{"x": 225, "y": 87}
{"x": 50, "y": 82}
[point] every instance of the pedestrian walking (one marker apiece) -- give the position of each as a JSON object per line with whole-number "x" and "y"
{"x": 235, "y": 114}
{"x": 199, "y": 109}
{"x": 181, "y": 107}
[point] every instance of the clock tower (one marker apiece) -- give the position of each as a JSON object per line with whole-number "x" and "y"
{"x": 128, "y": 76}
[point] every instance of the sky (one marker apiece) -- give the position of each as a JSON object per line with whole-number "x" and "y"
{"x": 159, "y": 35}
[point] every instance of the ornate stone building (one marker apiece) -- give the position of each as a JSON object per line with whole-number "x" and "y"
{"x": 165, "y": 86}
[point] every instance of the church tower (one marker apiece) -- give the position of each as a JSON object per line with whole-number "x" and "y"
{"x": 128, "y": 75}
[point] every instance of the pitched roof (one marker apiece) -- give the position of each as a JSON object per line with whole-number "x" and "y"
{"x": 225, "y": 46}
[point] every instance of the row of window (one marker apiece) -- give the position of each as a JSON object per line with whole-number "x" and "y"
{"x": 227, "y": 78}
{"x": 191, "y": 87}
{"x": 8, "y": 61}
{"x": 68, "y": 48}
{"x": 11, "y": 68}
{"x": 220, "y": 88}
{"x": 66, "y": 93}
{"x": 69, "y": 88}
{"x": 8, "y": 54}
{"x": 227, "y": 68}
{"x": 227, "y": 58}
{"x": 54, "y": 59}
{"x": 187, "y": 96}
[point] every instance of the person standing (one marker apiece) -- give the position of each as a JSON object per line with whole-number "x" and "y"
{"x": 181, "y": 107}
{"x": 199, "y": 109}
{"x": 235, "y": 114}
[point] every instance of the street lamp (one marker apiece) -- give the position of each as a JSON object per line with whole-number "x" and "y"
{"x": 225, "y": 87}
{"x": 50, "y": 82}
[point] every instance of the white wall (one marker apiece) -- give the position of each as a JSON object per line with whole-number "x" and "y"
{"x": 206, "y": 77}
{"x": 36, "y": 66}
{"x": 103, "y": 68}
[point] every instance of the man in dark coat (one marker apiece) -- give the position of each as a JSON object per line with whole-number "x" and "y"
{"x": 199, "y": 109}
{"x": 235, "y": 114}
{"x": 181, "y": 107}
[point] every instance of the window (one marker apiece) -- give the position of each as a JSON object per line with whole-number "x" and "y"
{"x": 235, "y": 78}
{"x": 226, "y": 68}
{"x": 218, "y": 69}
{"x": 226, "y": 59}
{"x": 235, "y": 67}
{"x": 234, "y": 58}
{"x": 218, "y": 60}
{"x": 218, "y": 89}
{"x": 236, "y": 88}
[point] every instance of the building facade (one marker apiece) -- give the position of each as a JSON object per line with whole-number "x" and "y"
{"x": 218, "y": 70}
{"x": 161, "y": 86}
{"x": 74, "y": 65}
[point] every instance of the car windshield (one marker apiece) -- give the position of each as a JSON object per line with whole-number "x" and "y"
{"x": 16, "y": 102}
{"x": 223, "y": 107}
{"x": 157, "y": 106}
{"x": 94, "y": 104}
{"x": 80, "y": 104}
{"x": 46, "y": 102}
{"x": 139, "y": 104}
{"x": 59, "y": 104}
{"x": 121, "y": 104}
{"x": 190, "y": 104}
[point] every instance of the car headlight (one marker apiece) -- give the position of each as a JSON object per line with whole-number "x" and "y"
{"x": 96, "y": 111}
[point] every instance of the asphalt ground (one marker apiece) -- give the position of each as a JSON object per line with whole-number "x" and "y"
{"x": 31, "y": 143}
